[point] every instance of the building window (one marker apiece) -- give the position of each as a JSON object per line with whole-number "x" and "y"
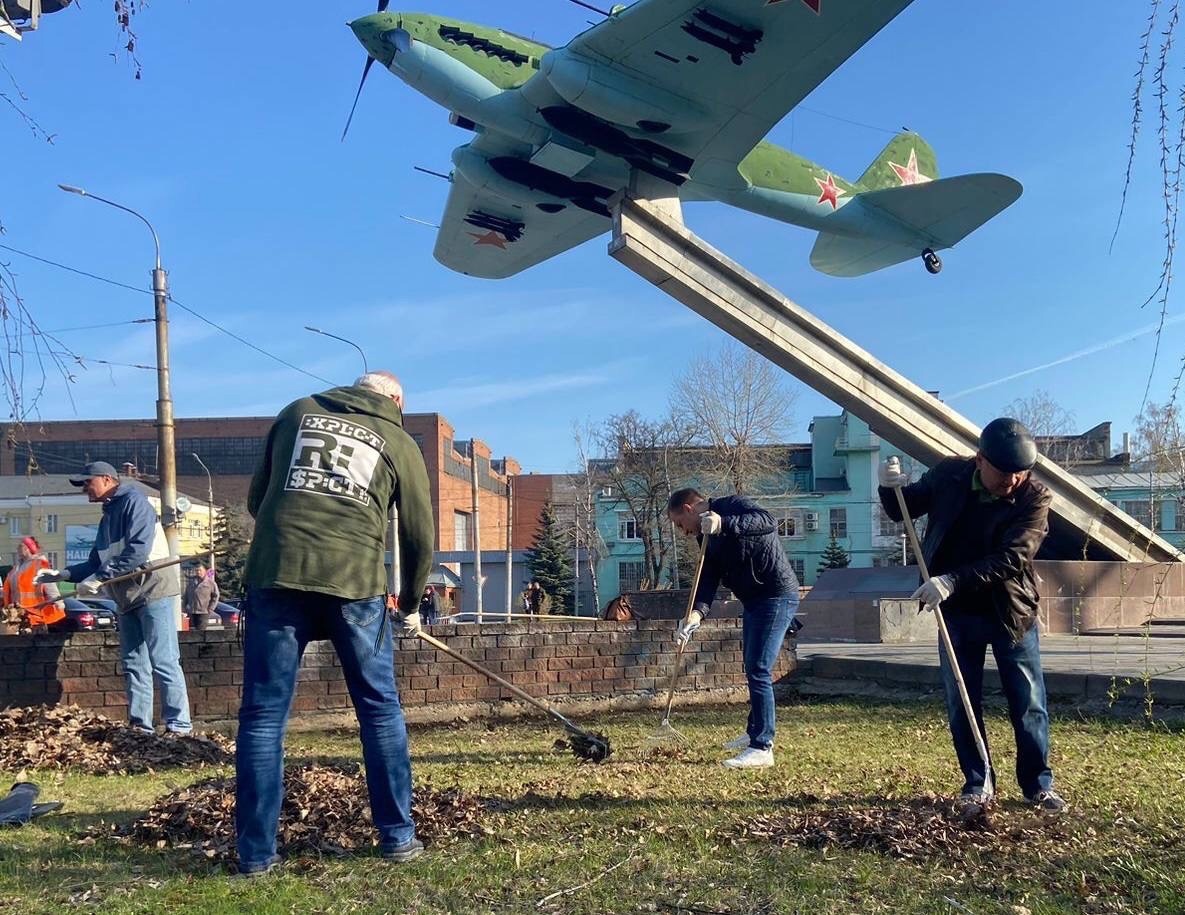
{"x": 839, "y": 522}
{"x": 14, "y": 526}
{"x": 627, "y": 526}
{"x": 788, "y": 526}
{"x": 888, "y": 527}
{"x": 629, "y": 576}
{"x": 461, "y": 531}
{"x": 51, "y": 524}
{"x": 1140, "y": 509}
{"x": 53, "y": 559}
{"x": 799, "y": 567}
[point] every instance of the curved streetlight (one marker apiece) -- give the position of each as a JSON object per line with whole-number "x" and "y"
{"x": 325, "y": 333}
{"x": 164, "y": 397}
{"x": 209, "y": 503}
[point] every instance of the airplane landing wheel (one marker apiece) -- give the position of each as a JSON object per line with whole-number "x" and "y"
{"x": 932, "y": 261}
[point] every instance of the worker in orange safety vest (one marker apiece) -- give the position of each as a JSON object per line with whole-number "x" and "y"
{"x": 38, "y": 601}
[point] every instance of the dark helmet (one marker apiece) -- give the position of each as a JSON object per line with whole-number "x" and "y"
{"x": 1008, "y": 445}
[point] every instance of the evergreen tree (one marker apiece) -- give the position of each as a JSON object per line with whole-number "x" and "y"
{"x": 834, "y": 557}
{"x": 232, "y": 537}
{"x": 550, "y": 561}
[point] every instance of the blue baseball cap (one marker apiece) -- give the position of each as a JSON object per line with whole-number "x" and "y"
{"x": 95, "y": 469}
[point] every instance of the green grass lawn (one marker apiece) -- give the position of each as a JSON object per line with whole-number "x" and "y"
{"x": 672, "y": 828}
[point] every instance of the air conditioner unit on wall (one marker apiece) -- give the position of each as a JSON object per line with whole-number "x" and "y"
{"x": 812, "y": 521}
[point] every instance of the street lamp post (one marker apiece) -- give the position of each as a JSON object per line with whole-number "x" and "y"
{"x": 209, "y": 504}
{"x": 325, "y": 333}
{"x": 164, "y": 397}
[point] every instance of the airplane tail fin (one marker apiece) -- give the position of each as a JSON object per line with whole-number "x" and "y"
{"x": 879, "y": 228}
{"x": 908, "y": 159}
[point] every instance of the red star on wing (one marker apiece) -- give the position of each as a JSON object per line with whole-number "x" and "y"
{"x": 493, "y": 238}
{"x": 908, "y": 173}
{"x": 829, "y": 191}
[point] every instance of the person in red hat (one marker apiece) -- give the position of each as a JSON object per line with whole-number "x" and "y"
{"x": 41, "y": 602}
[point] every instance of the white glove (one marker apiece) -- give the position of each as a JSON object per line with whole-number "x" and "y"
{"x": 410, "y": 623}
{"x": 688, "y": 626}
{"x": 934, "y": 591}
{"x": 710, "y": 523}
{"x": 890, "y": 476}
{"x": 88, "y": 587}
{"x": 45, "y": 576}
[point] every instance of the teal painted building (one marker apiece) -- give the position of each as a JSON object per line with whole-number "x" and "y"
{"x": 825, "y": 488}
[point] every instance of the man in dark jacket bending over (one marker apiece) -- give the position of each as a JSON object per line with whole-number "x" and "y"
{"x": 987, "y": 519}
{"x": 746, "y": 556}
{"x": 334, "y": 465}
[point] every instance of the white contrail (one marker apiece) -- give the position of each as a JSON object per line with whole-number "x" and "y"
{"x": 1077, "y": 354}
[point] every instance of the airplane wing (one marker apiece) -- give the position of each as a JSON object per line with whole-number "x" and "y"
{"x": 741, "y": 64}
{"x": 487, "y": 236}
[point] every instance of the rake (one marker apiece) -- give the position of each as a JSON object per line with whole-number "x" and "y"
{"x": 980, "y": 745}
{"x": 666, "y": 734}
{"x": 585, "y": 744}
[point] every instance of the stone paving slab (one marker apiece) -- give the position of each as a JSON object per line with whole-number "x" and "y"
{"x": 1077, "y": 668}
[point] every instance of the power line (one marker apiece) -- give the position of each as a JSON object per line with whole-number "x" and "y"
{"x": 193, "y": 312}
{"x": 248, "y": 343}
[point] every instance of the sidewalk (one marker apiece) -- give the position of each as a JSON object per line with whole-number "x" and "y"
{"x": 1079, "y": 669}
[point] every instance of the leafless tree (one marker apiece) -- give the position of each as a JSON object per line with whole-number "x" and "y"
{"x": 1155, "y": 77}
{"x": 1041, "y": 414}
{"x": 733, "y": 401}
{"x": 1159, "y": 439}
{"x": 586, "y": 485}
{"x": 640, "y": 459}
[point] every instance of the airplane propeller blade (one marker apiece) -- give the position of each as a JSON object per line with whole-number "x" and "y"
{"x": 358, "y": 94}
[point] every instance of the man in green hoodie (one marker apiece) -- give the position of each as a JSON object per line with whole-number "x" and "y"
{"x": 334, "y": 465}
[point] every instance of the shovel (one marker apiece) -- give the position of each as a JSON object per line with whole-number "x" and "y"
{"x": 988, "y": 787}
{"x": 665, "y": 733}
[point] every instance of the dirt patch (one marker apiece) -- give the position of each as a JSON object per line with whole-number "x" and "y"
{"x": 69, "y": 737}
{"x": 325, "y": 812}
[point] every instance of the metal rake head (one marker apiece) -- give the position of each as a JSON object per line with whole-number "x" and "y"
{"x": 664, "y": 738}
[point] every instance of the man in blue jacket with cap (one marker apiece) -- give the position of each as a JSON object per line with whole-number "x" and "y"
{"x": 130, "y": 536}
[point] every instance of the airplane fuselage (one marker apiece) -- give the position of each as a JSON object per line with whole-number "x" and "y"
{"x": 579, "y": 123}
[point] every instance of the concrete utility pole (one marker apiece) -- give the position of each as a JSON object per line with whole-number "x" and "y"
{"x": 509, "y": 540}
{"x": 476, "y": 524}
{"x": 209, "y": 504}
{"x": 167, "y": 457}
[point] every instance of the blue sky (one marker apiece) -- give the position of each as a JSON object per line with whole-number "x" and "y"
{"x": 230, "y": 144}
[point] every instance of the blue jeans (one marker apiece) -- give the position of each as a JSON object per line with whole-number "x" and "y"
{"x": 764, "y": 629}
{"x": 148, "y": 645}
{"x": 279, "y": 624}
{"x": 1024, "y": 688}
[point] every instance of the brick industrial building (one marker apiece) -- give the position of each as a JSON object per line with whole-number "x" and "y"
{"x": 233, "y": 446}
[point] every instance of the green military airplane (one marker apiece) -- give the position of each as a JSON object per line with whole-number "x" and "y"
{"x": 678, "y": 91}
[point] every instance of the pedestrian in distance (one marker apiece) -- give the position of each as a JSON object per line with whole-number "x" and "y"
{"x": 987, "y": 520}
{"x": 334, "y": 465}
{"x": 130, "y": 536}
{"x": 429, "y": 606}
{"x": 201, "y": 597}
{"x": 745, "y": 554}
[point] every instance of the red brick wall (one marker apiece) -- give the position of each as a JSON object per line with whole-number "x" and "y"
{"x": 589, "y": 659}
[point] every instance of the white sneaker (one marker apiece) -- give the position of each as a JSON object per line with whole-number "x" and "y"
{"x": 751, "y": 758}
{"x": 738, "y": 743}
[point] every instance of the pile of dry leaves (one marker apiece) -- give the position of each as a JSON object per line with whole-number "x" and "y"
{"x": 921, "y": 828}
{"x": 69, "y": 737}
{"x": 325, "y": 812}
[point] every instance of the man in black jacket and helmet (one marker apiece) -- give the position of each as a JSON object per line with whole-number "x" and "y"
{"x": 987, "y": 519}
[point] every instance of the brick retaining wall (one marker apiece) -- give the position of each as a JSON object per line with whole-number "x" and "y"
{"x": 584, "y": 660}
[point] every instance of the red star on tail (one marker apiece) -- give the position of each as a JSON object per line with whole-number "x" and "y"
{"x": 829, "y": 191}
